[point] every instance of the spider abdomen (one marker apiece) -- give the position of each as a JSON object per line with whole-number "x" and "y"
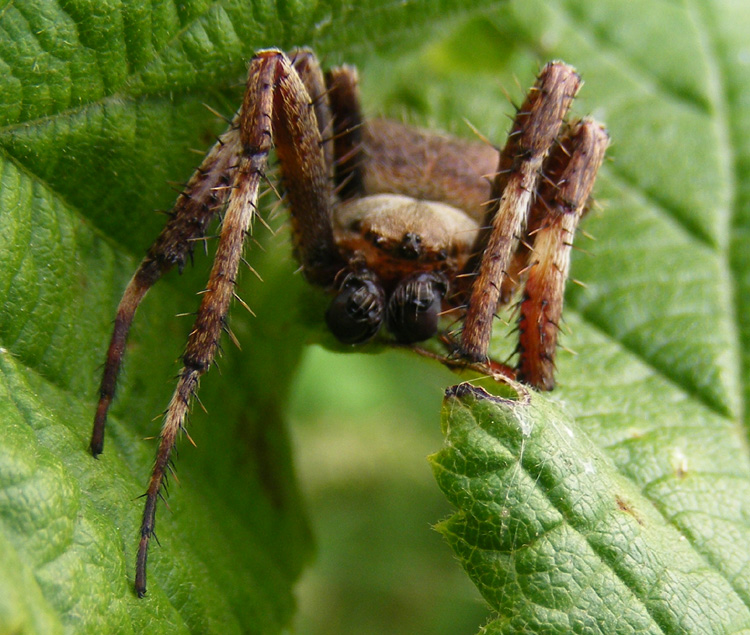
{"x": 427, "y": 165}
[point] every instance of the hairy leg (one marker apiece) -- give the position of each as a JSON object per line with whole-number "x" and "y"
{"x": 343, "y": 90}
{"x": 203, "y": 197}
{"x": 276, "y": 109}
{"x": 534, "y": 130}
{"x": 309, "y": 71}
{"x": 570, "y": 173}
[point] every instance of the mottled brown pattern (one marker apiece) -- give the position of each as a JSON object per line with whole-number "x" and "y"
{"x": 428, "y": 165}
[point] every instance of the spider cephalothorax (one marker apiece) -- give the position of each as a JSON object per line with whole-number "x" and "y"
{"x": 401, "y": 225}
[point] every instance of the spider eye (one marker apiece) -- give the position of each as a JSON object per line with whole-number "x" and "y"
{"x": 415, "y": 305}
{"x": 356, "y": 313}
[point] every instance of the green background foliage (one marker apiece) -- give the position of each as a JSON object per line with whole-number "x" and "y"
{"x": 100, "y": 104}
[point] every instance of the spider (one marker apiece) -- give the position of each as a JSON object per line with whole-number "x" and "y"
{"x": 402, "y": 226}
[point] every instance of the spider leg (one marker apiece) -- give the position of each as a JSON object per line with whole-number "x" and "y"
{"x": 571, "y": 171}
{"x": 305, "y": 175}
{"x": 309, "y": 71}
{"x": 203, "y": 197}
{"x": 343, "y": 86}
{"x": 534, "y": 130}
{"x": 518, "y": 266}
{"x": 276, "y": 109}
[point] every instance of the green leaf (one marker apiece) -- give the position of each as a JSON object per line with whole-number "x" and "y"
{"x": 654, "y": 400}
{"x": 100, "y": 104}
{"x": 557, "y": 539}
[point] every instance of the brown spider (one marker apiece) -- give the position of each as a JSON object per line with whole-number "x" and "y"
{"x": 402, "y": 225}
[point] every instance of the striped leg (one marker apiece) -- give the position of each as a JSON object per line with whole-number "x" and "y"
{"x": 276, "y": 109}
{"x": 204, "y": 196}
{"x": 535, "y": 128}
{"x": 570, "y": 173}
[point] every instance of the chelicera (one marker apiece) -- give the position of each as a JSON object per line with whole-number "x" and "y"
{"x": 401, "y": 225}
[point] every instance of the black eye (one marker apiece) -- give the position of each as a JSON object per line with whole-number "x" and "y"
{"x": 356, "y": 313}
{"x": 415, "y": 305}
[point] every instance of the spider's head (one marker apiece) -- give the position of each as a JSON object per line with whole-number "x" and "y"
{"x": 401, "y": 253}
